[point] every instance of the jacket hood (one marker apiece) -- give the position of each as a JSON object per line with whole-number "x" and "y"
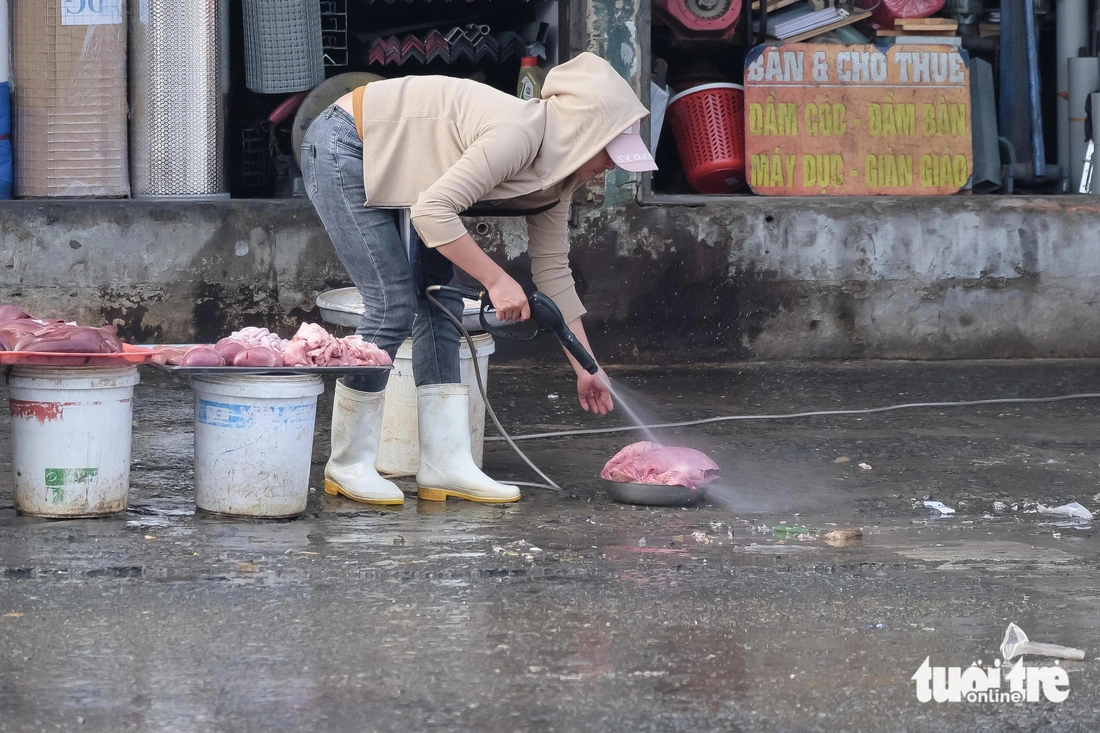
{"x": 587, "y": 105}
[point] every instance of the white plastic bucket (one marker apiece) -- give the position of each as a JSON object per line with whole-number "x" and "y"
{"x": 254, "y": 443}
{"x": 71, "y": 429}
{"x": 399, "y": 450}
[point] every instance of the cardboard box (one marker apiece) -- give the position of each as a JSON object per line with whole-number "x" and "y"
{"x": 69, "y": 82}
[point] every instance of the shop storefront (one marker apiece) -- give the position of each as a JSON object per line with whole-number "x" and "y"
{"x": 868, "y": 184}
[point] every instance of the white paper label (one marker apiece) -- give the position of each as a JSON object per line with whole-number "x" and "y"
{"x": 91, "y": 12}
{"x": 143, "y": 12}
{"x": 526, "y": 88}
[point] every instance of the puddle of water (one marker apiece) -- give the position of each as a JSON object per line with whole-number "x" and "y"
{"x": 962, "y": 555}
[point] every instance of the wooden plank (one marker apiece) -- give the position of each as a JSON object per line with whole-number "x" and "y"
{"x": 941, "y": 30}
{"x": 916, "y": 23}
{"x": 775, "y": 4}
{"x": 896, "y": 32}
{"x": 928, "y": 28}
{"x": 853, "y": 18}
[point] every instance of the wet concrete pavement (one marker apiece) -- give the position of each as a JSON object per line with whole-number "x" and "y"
{"x": 569, "y": 612}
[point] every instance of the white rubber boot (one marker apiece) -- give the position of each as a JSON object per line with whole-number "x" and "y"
{"x": 356, "y": 430}
{"x": 446, "y": 464}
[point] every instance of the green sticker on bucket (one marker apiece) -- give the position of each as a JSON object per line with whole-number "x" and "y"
{"x": 58, "y": 478}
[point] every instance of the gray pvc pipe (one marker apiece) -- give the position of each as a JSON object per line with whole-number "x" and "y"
{"x": 1031, "y": 32}
{"x": 1072, "y": 35}
{"x": 1084, "y": 79}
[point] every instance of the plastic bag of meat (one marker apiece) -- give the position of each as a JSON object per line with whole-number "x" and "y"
{"x": 650, "y": 463}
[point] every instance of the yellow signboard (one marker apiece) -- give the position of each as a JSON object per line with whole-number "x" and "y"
{"x": 857, "y": 120}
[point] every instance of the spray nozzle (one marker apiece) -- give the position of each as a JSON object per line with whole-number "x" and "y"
{"x": 547, "y": 315}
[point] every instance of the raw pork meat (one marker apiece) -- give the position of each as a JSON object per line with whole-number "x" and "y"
{"x": 253, "y": 347}
{"x": 258, "y": 347}
{"x": 253, "y": 336}
{"x": 650, "y": 463}
{"x": 168, "y": 354}
{"x": 314, "y": 346}
{"x": 9, "y": 313}
{"x": 20, "y": 331}
{"x": 69, "y": 339}
{"x": 11, "y": 332}
{"x": 200, "y": 355}
{"x": 258, "y": 356}
{"x": 229, "y": 347}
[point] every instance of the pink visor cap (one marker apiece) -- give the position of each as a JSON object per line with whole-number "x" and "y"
{"x": 629, "y": 152}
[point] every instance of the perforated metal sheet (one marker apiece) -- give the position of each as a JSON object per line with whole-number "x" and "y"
{"x": 179, "y": 78}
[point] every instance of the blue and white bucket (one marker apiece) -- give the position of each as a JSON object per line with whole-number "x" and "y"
{"x": 254, "y": 443}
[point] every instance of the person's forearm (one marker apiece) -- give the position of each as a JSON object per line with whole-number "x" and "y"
{"x": 465, "y": 253}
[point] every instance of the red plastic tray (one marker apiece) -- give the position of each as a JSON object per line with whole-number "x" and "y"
{"x": 128, "y": 355}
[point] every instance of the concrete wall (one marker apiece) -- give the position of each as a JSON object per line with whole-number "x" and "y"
{"x": 960, "y": 277}
{"x": 756, "y": 278}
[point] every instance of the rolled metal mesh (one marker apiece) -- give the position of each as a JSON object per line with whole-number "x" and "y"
{"x": 179, "y": 79}
{"x": 283, "y": 50}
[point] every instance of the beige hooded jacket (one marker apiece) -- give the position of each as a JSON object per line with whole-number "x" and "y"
{"x": 441, "y": 145}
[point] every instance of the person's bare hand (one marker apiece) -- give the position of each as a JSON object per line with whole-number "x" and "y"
{"x": 593, "y": 393}
{"x": 509, "y": 300}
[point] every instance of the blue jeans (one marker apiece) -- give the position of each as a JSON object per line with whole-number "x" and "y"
{"x": 377, "y": 257}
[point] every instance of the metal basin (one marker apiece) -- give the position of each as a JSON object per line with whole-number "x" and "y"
{"x": 654, "y": 494}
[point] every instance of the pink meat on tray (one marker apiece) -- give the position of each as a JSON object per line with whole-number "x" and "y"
{"x": 12, "y": 331}
{"x": 9, "y": 313}
{"x": 650, "y": 463}
{"x": 20, "y": 331}
{"x": 258, "y": 347}
{"x": 258, "y": 356}
{"x": 200, "y": 355}
{"x": 229, "y": 347}
{"x": 68, "y": 339}
{"x": 252, "y": 347}
{"x": 254, "y": 336}
{"x": 168, "y": 354}
{"x": 366, "y": 352}
{"x": 312, "y": 345}
{"x": 296, "y": 353}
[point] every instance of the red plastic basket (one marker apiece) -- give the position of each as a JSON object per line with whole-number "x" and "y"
{"x": 708, "y": 123}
